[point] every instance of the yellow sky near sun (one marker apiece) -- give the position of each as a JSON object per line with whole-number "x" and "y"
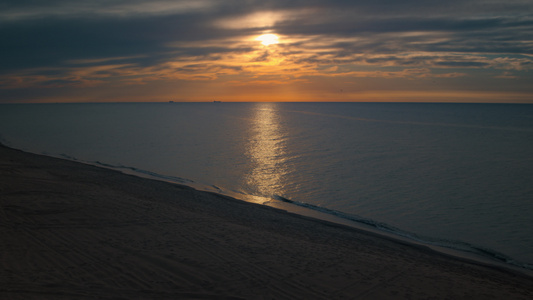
{"x": 268, "y": 39}
{"x": 269, "y": 58}
{"x": 296, "y": 52}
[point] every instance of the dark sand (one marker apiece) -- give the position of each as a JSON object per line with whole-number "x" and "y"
{"x": 74, "y": 231}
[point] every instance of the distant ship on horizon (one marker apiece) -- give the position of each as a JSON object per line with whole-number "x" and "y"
{"x": 215, "y": 101}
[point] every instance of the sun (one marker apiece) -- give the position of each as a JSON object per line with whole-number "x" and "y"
{"x": 268, "y": 39}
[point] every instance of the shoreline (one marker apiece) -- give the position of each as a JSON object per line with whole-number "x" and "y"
{"x": 80, "y": 231}
{"x": 476, "y": 256}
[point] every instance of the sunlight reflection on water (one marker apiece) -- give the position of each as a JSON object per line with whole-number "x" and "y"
{"x": 267, "y": 153}
{"x": 447, "y": 172}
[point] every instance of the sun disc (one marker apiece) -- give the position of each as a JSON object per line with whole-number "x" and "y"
{"x": 268, "y": 39}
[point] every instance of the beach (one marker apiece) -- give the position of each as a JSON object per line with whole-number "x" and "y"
{"x": 76, "y": 231}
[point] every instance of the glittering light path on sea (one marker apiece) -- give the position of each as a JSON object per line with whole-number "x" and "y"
{"x": 266, "y": 150}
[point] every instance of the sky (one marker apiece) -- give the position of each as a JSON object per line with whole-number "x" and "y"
{"x": 319, "y": 50}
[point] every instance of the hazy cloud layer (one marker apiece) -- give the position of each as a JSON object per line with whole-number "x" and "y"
{"x": 69, "y": 46}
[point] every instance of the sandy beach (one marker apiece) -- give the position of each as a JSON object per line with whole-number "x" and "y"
{"x": 75, "y": 231}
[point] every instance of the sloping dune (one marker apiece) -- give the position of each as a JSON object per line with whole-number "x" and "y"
{"x": 75, "y": 231}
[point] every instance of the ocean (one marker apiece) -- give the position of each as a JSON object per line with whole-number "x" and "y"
{"x": 458, "y": 176}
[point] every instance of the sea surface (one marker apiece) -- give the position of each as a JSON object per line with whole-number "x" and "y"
{"x": 458, "y": 176}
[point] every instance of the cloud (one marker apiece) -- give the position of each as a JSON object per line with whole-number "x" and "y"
{"x": 59, "y": 44}
{"x": 28, "y": 9}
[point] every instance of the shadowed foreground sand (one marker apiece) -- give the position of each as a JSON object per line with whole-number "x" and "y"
{"x": 74, "y": 231}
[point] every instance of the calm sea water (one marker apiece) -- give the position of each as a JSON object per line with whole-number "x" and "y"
{"x": 455, "y": 175}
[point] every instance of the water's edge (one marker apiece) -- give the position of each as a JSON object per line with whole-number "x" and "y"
{"x": 458, "y": 250}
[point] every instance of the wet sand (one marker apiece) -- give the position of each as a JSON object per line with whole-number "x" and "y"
{"x": 75, "y": 231}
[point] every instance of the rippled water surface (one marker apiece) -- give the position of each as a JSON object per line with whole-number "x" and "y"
{"x": 455, "y": 174}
